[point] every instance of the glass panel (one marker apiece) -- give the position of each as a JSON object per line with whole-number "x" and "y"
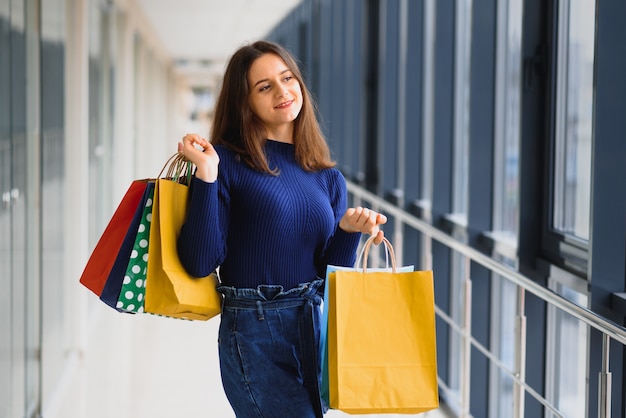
{"x": 570, "y": 359}
{"x": 504, "y": 314}
{"x": 506, "y": 188}
{"x": 572, "y": 177}
{"x": 508, "y": 111}
{"x": 17, "y": 210}
{"x": 54, "y": 333}
{"x": 31, "y": 216}
{"x": 429, "y": 100}
{"x": 461, "y": 103}
{"x": 96, "y": 150}
{"x": 457, "y": 313}
{"x": 5, "y": 212}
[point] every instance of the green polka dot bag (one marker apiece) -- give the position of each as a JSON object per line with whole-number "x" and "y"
{"x": 133, "y": 291}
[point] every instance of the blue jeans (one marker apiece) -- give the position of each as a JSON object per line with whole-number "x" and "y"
{"x": 268, "y": 349}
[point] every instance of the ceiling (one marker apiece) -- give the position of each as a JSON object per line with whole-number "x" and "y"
{"x": 200, "y": 35}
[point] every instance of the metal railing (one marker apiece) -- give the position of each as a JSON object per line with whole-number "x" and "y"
{"x": 609, "y": 330}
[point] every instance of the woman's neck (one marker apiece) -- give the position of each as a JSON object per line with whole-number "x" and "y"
{"x": 282, "y": 133}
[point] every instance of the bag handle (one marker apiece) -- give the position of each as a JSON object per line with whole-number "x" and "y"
{"x": 178, "y": 169}
{"x": 360, "y": 257}
{"x": 388, "y": 252}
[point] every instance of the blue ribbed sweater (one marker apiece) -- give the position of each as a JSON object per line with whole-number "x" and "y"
{"x": 266, "y": 229}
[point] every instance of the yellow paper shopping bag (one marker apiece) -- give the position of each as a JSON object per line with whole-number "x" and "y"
{"x": 381, "y": 340}
{"x": 170, "y": 290}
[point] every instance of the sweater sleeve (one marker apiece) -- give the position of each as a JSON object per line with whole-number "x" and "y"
{"x": 341, "y": 247}
{"x": 202, "y": 238}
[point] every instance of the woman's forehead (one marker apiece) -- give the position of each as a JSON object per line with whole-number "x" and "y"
{"x": 266, "y": 65}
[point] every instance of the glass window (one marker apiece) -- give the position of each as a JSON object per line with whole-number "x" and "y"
{"x": 55, "y": 334}
{"x": 429, "y": 99}
{"x": 574, "y": 113}
{"x": 507, "y": 116}
{"x": 504, "y": 316}
{"x": 96, "y": 142}
{"x": 31, "y": 257}
{"x": 461, "y": 105}
{"x": 5, "y": 212}
{"x": 19, "y": 186}
{"x": 506, "y": 207}
{"x": 458, "y": 360}
{"x": 100, "y": 115}
{"x": 567, "y": 357}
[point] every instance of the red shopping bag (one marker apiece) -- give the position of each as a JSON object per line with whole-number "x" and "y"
{"x": 111, "y": 291}
{"x": 106, "y": 251}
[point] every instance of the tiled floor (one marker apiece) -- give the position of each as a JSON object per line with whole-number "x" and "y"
{"x": 175, "y": 371}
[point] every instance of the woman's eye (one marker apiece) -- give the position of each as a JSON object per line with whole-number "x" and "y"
{"x": 265, "y": 87}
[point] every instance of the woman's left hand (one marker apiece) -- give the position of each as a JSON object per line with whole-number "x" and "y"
{"x": 364, "y": 220}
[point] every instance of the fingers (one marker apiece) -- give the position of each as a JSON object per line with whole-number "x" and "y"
{"x": 195, "y": 139}
{"x": 364, "y": 220}
{"x": 202, "y": 154}
{"x": 380, "y": 235}
{"x": 193, "y": 146}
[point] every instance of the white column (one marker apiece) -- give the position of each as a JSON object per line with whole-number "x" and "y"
{"x": 123, "y": 150}
{"x": 76, "y": 205}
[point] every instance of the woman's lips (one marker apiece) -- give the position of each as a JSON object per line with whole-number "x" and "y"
{"x": 284, "y": 104}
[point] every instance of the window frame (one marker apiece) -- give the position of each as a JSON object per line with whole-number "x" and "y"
{"x": 564, "y": 250}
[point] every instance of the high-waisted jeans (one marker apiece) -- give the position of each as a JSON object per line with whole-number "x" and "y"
{"x": 268, "y": 349}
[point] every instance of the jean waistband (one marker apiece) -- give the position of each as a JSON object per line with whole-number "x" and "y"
{"x": 273, "y": 292}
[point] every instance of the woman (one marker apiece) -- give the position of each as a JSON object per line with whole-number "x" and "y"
{"x": 267, "y": 207}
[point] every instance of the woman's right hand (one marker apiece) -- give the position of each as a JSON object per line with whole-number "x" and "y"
{"x": 364, "y": 220}
{"x": 205, "y": 159}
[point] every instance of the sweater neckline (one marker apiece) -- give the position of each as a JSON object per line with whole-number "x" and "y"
{"x": 278, "y": 143}
{"x": 283, "y": 148}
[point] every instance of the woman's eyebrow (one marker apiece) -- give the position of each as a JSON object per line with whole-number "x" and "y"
{"x": 265, "y": 80}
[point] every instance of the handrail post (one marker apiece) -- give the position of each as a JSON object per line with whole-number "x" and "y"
{"x": 520, "y": 355}
{"x": 604, "y": 381}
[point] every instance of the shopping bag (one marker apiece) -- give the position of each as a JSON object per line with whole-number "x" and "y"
{"x": 133, "y": 289}
{"x": 112, "y": 287}
{"x": 381, "y": 340}
{"x": 105, "y": 253}
{"x": 323, "y": 352}
{"x": 170, "y": 290}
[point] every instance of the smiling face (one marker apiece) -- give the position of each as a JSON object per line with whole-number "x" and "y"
{"x": 275, "y": 96}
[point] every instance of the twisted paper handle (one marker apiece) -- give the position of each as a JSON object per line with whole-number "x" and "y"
{"x": 389, "y": 253}
{"x": 178, "y": 169}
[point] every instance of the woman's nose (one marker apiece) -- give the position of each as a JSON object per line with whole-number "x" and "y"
{"x": 282, "y": 92}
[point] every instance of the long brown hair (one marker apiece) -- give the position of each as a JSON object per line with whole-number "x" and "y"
{"x": 236, "y": 126}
